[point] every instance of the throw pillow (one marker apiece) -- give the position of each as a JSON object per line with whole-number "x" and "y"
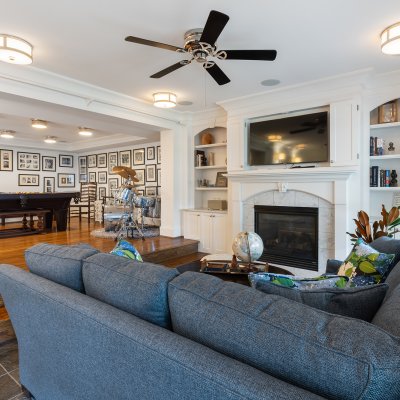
{"x": 358, "y": 302}
{"x": 127, "y": 250}
{"x": 365, "y": 265}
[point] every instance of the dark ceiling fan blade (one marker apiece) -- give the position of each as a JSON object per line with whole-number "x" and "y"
{"x": 218, "y": 75}
{"x": 216, "y": 22}
{"x": 169, "y": 69}
{"x": 263, "y": 55}
{"x": 146, "y": 42}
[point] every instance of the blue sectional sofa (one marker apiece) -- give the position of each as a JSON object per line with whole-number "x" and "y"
{"x": 97, "y": 326}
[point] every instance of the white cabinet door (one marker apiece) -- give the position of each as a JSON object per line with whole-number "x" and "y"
{"x": 191, "y": 225}
{"x": 219, "y": 233}
{"x": 206, "y": 233}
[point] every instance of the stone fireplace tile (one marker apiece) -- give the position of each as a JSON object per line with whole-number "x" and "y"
{"x": 265, "y": 198}
{"x": 285, "y": 199}
{"x": 305, "y": 200}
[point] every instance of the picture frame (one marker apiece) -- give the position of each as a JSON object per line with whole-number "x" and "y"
{"x": 28, "y": 179}
{"x": 387, "y": 112}
{"x": 221, "y": 180}
{"x": 83, "y": 178}
{"x": 140, "y": 192}
{"x": 140, "y": 174}
{"x": 150, "y": 190}
{"x": 113, "y": 184}
{"x": 125, "y": 158}
{"x": 6, "y": 160}
{"x": 158, "y": 190}
{"x": 65, "y": 180}
{"x": 82, "y": 162}
{"x": 150, "y": 153}
{"x": 83, "y": 170}
{"x": 28, "y": 161}
{"x": 102, "y": 177}
{"x": 92, "y": 177}
{"x": 102, "y": 192}
{"x": 92, "y": 161}
{"x": 66, "y": 160}
{"x": 159, "y": 176}
{"x": 49, "y": 183}
{"x": 151, "y": 173}
{"x": 49, "y": 163}
{"x": 158, "y": 154}
{"x": 138, "y": 157}
{"x": 112, "y": 161}
{"x": 102, "y": 160}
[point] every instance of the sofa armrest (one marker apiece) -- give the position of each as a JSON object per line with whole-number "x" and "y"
{"x": 332, "y": 266}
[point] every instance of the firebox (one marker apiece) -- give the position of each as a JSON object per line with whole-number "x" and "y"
{"x": 290, "y": 235}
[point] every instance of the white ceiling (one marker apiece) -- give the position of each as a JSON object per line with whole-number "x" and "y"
{"x": 84, "y": 40}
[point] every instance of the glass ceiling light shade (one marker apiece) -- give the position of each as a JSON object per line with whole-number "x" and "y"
{"x": 15, "y": 50}
{"x": 85, "y": 132}
{"x": 39, "y": 124}
{"x": 164, "y": 100}
{"x": 7, "y": 134}
{"x": 50, "y": 139}
{"x": 390, "y": 39}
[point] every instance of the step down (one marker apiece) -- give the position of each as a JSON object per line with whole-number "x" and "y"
{"x": 162, "y": 255}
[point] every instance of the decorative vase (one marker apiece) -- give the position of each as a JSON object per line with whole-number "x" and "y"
{"x": 206, "y": 138}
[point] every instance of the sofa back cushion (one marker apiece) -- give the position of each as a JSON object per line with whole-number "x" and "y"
{"x": 60, "y": 264}
{"x": 334, "y": 356}
{"x": 132, "y": 286}
{"x": 387, "y": 245}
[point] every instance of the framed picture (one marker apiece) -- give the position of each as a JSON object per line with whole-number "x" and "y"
{"x": 102, "y": 160}
{"x": 83, "y": 170}
{"x": 112, "y": 161}
{"x": 158, "y": 154}
{"x": 388, "y": 112}
{"x": 151, "y": 155}
{"x": 28, "y": 180}
{"x": 140, "y": 192}
{"x": 49, "y": 183}
{"x": 66, "y": 180}
{"x": 151, "y": 173}
{"x": 112, "y": 186}
{"x": 83, "y": 178}
{"x": 92, "y": 161}
{"x": 138, "y": 157}
{"x": 159, "y": 177}
{"x": 82, "y": 161}
{"x": 125, "y": 158}
{"x": 48, "y": 163}
{"x": 158, "y": 190}
{"x": 66, "y": 161}
{"x": 151, "y": 190}
{"x": 6, "y": 160}
{"x": 221, "y": 180}
{"x": 102, "y": 177}
{"x": 140, "y": 176}
{"x": 28, "y": 161}
{"x": 102, "y": 193}
{"x": 92, "y": 177}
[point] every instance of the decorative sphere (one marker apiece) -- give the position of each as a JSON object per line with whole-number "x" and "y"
{"x": 247, "y": 246}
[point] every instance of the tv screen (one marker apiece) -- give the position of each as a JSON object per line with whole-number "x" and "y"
{"x": 289, "y": 140}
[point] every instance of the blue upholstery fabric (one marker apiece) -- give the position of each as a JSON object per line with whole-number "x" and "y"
{"x": 136, "y": 287}
{"x": 388, "y": 245}
{"x": 61, "y": 264}
{"x": 72, "y": 346}
{"x": 334, "y": 356}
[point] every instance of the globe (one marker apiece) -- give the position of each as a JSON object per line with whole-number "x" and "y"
{"x": 247, "y": 246}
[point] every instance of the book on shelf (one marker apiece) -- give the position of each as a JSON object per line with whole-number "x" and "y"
{"x": 379, "y": 177}
{"x": 374, "y": 171}
{"x": 376, "y": 146}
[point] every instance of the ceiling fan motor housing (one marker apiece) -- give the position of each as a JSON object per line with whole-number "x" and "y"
{"x": 199, "y": 51}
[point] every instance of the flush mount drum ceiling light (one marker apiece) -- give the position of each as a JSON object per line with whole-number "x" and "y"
{"x": 15, "y": 50}
{"x": 390, "y": 39}
{"x": 164, "y": 100}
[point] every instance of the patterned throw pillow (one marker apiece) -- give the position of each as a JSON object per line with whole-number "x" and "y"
{"x": 297, "y": 282}
{"x": 365, "y": 265}
{"x": 127, "y": 250}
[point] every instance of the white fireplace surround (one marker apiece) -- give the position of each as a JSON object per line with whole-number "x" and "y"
{"x": 326, "y": 188}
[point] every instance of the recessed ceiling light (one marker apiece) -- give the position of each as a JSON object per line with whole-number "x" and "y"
{"x": 164, "y": 100}
{"x": 7, "y": 134}
{"x": 85, "y": 131}
{"x": 50, "y": 139}
{"x": 185, "y": 103}
{"x": 270, "y": 82}
{"x": 15, "y": 50}
{"x": 39, "y": 124}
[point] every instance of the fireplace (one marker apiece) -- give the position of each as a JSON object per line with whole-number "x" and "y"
{"x": 290, "y": 235}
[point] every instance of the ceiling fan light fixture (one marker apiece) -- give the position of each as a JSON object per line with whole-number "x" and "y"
{"x": 7, "y": 134}
{"x": 164, "y": 99}
{"x": 15, "y": 50}
{"x": 50, "y": 139}
{"x": 39, "y": 124}
{"x": 390, "y": 40}
{"x": 85, "y": 131}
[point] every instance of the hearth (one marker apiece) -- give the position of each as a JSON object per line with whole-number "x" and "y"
{"x": 290, "y": 235}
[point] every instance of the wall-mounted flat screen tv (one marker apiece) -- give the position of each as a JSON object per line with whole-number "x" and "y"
{"x": 289, "y": 140}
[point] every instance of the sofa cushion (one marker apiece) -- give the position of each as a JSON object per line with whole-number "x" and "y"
{"x": 60, "y": 264}
{"x": 357, "y": 302}
{"x": 334, "y": 356}
{"x": 136, "y": 287}
{"x": 388, "y": 245}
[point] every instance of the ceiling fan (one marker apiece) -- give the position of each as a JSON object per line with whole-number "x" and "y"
{"x": 200, "y": 45}
{"x": 318, "y": 124}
